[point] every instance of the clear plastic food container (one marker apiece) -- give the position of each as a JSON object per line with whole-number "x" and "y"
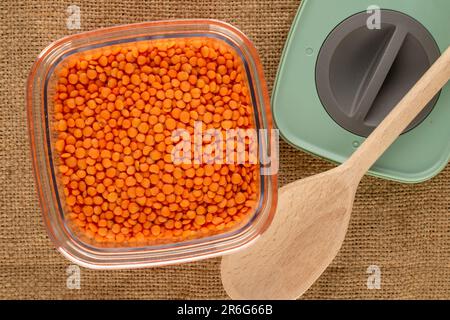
{"x": 87, "y": 252}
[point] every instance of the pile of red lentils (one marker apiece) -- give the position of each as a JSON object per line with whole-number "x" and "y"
{"x": 115, "y": 111}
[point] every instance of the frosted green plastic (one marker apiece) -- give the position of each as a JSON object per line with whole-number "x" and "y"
{"x": 417, "y": 155}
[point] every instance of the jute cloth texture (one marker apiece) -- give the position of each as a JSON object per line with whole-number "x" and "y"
{"x": 402, "y": 229}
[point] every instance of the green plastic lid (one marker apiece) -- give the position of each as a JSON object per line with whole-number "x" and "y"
{"x": 338, "y": 79}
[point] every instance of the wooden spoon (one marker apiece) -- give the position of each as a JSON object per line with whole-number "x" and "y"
{"x": 313, "y": 214}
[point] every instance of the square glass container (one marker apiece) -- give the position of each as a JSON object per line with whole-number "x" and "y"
{"x": 39, "y": 108}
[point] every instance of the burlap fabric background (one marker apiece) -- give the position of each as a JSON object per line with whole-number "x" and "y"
{"x": 404, "y": 229}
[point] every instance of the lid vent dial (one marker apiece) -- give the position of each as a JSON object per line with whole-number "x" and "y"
{"x": 362, "y": 73}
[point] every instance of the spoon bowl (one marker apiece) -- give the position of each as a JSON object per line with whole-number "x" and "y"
{"x": 313, "y": 230}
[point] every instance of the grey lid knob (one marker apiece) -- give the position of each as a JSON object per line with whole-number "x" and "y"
{"x": 362, "y": 73}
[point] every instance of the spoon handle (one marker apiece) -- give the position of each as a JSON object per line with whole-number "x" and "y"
{"x": 400, "y": 117}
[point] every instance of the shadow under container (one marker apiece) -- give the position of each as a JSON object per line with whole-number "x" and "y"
{"x": 86, "y": 252}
